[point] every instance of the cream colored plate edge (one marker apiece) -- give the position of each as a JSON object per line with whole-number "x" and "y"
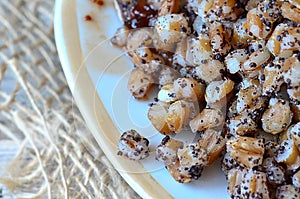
{"x": 67, "y": 40}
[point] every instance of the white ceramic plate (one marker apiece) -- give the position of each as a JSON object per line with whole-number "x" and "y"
{"x": 97, "y": 74}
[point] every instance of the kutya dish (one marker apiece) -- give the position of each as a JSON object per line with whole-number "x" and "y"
{"x": 228, "y": 75}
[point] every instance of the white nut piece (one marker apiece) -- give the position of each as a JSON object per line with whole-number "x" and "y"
{"x": 246, "y": 151}
{"x": 178, "y": 116}
{"x": 167, "y": 94}
{"x": 277, "y": 117}
{"x": 206, "y": 119}
{"x": 139, "y": 83}
{"x": 166, "y": 151}
{"x": 139, "y": 39}
{"x": 218, "y": 90}
{"x": 157, "y": 114}
{"x": 133, "y": 146}
{"x": 171, "y": 28}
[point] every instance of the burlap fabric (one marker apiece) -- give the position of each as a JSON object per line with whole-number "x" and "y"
{"x": 46, "y": 151}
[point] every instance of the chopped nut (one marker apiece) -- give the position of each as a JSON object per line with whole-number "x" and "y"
{"x": 157, "y": 114}
{"x": 178, "y": 173}
{"x": 213, "y": 143}
{"x": 210, "y": 70}
{"x": 208, "y": 118}
{"x": 296, "y": 179}
{"x": 229, "y": 164}
{"x": 192, "y": 155}
{"x": 235, "y": 59}
{"x": 288, "y": 153}
{"x": 139, "y": 83}
{"x": 217, "y": 10}
{"x": 255, "y": 185}
{"x": 168, "y": 7}
{"x": 166, "y": 151}
{"x": 296, "y": 111}
{"x": 254, "y": 63}
{"x": 247, "y": 151}
{"x": 178, "y": 116}
{"x": 287, "y": 192}
{"x": 234, "y": 178}
{"x": 291, "y": 71}
{"x": 294, "y": 93}
{"x": 198, "y": 50}
{"x": 241, "y": 125}
{"x": 169, "y": 28}
{"x": 290, "y": 12}
{"x": 273, "y": 77}
{"x": 167, "y": 76}
{"x": 295, "y": 134}
{"x": 275, "y": 173}
{"x": 277, "y": 117}
{"x": 251, "y": 4}
{"x": 241, "y": 35}
{"x": 247, "y": 184}
{"x": 219, "y": 38}
{"x": 120, "y": 37}
{"x": 218, "y": 90}
{"x": 248, "y": 98}
{"x": 167, "y": 94}
{"x": 189, "y": 89}
{"x": 260, "y": 19}
{"x": 180, "y": 53}
{"x": 133, "y": 146}
{"x": 288, "y": 42}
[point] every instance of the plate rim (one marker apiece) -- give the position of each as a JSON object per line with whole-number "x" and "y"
{"x": 69, "y": 51}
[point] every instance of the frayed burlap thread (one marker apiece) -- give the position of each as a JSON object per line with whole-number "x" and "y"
{"x": 46, "y": 151}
